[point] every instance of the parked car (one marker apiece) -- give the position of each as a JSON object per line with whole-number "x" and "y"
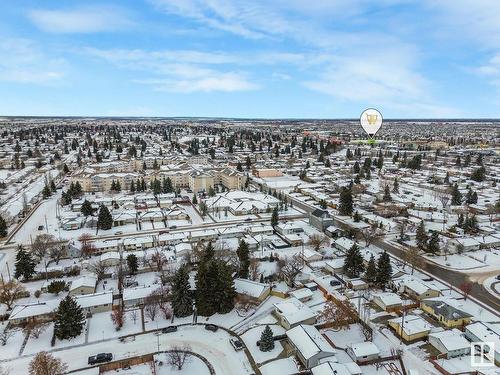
{"x": 40, "y": 227}
{"x": 100, "y": 358}
{"x": 211, "y": 327}
{"x": 169, "y": 329}
{"x": 118, "y": 233}
{"x": 173, "y": 227}
{"x": 236, "y": 344}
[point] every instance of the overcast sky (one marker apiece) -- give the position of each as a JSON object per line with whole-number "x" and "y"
{"x": 250, "y": 58}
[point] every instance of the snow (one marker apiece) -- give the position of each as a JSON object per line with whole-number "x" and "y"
{"x": 251, "y": 337}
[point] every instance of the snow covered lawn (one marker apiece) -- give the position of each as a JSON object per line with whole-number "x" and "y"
{"x": 251, "y": 337}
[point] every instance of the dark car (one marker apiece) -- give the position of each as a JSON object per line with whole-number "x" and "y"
{"x": 169, "y": 329}
{"x": 173, "y": 227}
{"x": 237, "y": 345}
{"x": 100, "y": 358}
{"x": 211, "y": 327}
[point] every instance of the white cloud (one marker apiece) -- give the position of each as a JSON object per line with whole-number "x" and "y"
{"x": 81, "y": 20}
{"x": 180, "y": 71}
{"x": 22, "y": 61}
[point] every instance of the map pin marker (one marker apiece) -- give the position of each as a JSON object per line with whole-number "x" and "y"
{"x": 371, "y": 121}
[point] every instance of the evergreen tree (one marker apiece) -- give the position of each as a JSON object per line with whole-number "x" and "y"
{"x": 203, "y": 287}
{"x": 353, "y": 262}
{"x": 195, "y": 200}
{"x": 132, "y": 186}
{"x": 46, "y": 192}
{"x": 387, "y": 194}
{"x": 69, "y": 319}
{"x": 132, "y": 263}
{"x": 3, "y": 227}
{"x": 433, "y": 246}
{"x": 371, "y": 270}
{"x": 456, "y": 196}
{"x": 104, "y": 219}
{"x": 479, "y": 174}
{"x": 421, "y": 236}
{"x": 25, "y": 264}
{"x": 244, "y": 258}
{"x": 275, "y": 217}
{"x": 384, "y": 270}
{"x": 345, "y": 203}
{"x": 225, "y": 287}
{"x": 266, "y": 343}
{"x": 86, "y": 208}
{"x": 395, "y": 186}
{"x": 182, "y": 301}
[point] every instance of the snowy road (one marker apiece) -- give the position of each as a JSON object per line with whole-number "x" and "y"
{"x": 214, "y": 346}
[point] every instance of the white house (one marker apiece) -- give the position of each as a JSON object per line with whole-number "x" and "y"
{"x": 292, "y": 312}
{"x": 363, "y": 352}
{"x": 251, "y": 288}
{"x": 387, "y": 301}
{"x": 450, "y": 343}
{"x": 96, "y": 302}
{"x": 309, "y": 345}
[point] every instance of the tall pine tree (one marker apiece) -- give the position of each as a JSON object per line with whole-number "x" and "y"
{"x": 3, "y": 227}
{"x": 353, "y": 262}
{"x": 384, "y": 270}
{"x": 345, "y": 203}
{"x": 421, "y": 236}
{"x": 25, "y": 264}
{"x": 244, "y": 258}
{"x": 104, "y": 219}
{"x": 182, "y": 301}
{"x": 371, "y": 271}
{"x": 69, "y": 320}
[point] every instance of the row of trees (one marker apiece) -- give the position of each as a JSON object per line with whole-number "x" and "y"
{"x": 379, "y": 272}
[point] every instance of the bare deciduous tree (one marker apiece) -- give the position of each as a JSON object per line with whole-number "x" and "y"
{"x": 10, "y": 291}
{"x": 46, "y": 364}
{"x": 5, "y": 335}
{"x": 35, "y": 328}
{"x": 118, "y": 317}
{"x": 413, "y": 258}
{"x": 340, "y": 314}
{"x": 134, "y": 316}
{"x": 57, "y": 253}
{"x": 289, "y": 268}
{"x": 318, "y": 240}
{"x": 99, "y": 268}
{"x": 151, "y": 306}
{"x": 42, "y": 246}
{"x": 179, "y": 356}
{"x": 87, "y": 247}
{"x": 370, "y": 233}
{"x": 253, "y": 270}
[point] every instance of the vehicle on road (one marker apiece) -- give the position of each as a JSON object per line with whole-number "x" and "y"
{"x": 236, "y": 344}
{"x": 211, "y": 327}
{"x": 118, "y": 233}
{"x": 100, "y": 358}
{"x": 169, "y": 329}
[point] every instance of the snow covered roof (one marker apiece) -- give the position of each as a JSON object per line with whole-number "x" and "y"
{"x": 138, "y": 292}
{"x": 95, "y": 299}
{"x": 451, "y": 339}
{"x": 23, "y": 311}
{"x": 309, "y": 341}
{"x": 294, "y": 311}
{"x": 333, "y": 368}
{"x": 250, "y": 288}
{"x": 83, "y": 281}
{"x": 363, "y": 349}
{"x": 413, "y": 324}
{"x": 388, "y": 298}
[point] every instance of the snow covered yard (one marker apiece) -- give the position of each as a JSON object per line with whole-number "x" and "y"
{"x": 101, "y": 327}
{"x": 251, "y": 337}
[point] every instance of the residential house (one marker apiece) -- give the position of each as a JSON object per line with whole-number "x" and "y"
{"x": 363, "y": 352}
{"x": 445, "y": 313}
{"x": 450, "y": 343}
{"x": 292, "y": 312}
{"x": 411, "y": 327}
{"x": 307, "y": 343}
